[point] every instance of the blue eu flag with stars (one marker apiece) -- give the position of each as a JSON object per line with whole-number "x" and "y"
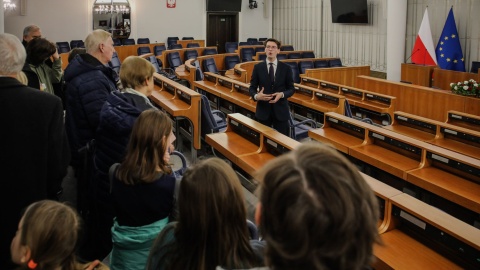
{"x": 448, "y": 51}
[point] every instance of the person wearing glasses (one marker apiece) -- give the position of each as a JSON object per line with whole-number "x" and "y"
{"x": 30, "y": 32}
{"x": 270, "y": 86}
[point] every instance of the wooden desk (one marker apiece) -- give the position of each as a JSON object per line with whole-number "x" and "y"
{"x": 363, "y": 104}
{"x": 455, "y": 138}
{"x": 227, "y": 95}
{"x": 384, "y": 193}
{"x": 401, "y": 249}
{"x": 383, "y": 151}
{"x": 458, "y": 139}
{"x": 242, "y": 137}
{"x": 447, "y": 174}
{"x": 450, "y": 175}
{"x": 312, "y": 103}
{"x": 414, "y": 126}
{"x": 465, "y": 120}
{"x": 341, "y": 132}
{"x": 249, "y": 144}
{"x": 179, "y": 102}
{"x": 341, "y": 75}
{"x": 417, "y": 74}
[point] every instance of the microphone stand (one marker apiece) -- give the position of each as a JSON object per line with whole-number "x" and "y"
{"x": 424, "y": 56}
{"x": 412, "y": 55}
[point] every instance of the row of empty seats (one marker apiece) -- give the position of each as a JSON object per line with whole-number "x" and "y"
{"x": 247, "y": 54}
{"x": 231, "y": 46}
{"x": 64, "y": 46}
{"x": 130, "y": 41}
{"x": 301, "y": 66}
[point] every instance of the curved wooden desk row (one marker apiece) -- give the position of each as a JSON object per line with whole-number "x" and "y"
{"x": 420, "y": 100}
{"x": 447, "y": 174}
{"x": 340, "y": 75}
{"x": 456, "y": 138}
{"x": 363, "y": 103}
{"x": 179, "y": 102}
{"x": 249, "y": 145}
{"x": 230, "y": 96}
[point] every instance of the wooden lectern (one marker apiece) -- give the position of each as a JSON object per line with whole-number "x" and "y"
{"x": 417, "y": 74}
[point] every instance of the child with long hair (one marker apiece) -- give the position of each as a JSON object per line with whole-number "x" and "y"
{"x": 47, "y": 237}
{"x": 142, "y": 189}
{"x": 211, "y": 228}
{"x": 316, "y": 211}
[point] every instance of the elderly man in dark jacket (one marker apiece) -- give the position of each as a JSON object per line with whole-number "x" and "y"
{"x": 34, "y": 152}
{"x": 89, "y": 82}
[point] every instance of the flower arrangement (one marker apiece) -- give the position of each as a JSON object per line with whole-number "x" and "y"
{"x": 465, "y": 88}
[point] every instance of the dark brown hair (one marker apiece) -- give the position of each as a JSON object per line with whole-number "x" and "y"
{"x": 39, "y": 50}
{"x": 317, "y": 211}
{"x": 212, "y": 229}
{"x": 146, "y": 148}
{"x": 273, "y": 40}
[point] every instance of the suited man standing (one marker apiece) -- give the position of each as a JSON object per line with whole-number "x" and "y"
{"x": 271, "y": 84}
{"x": 34, "y": 152}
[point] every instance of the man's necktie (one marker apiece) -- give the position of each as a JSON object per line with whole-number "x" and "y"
{"x": 272, "y": 73}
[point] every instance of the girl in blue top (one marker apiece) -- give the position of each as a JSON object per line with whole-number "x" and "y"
{"x": 142, "y": 190}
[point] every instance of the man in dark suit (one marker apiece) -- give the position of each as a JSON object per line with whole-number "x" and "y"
{"x": 271, "y": 84}
{"x": 34, "y": 152}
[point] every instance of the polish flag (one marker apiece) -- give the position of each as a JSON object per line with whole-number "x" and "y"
{"x": 423, "y": 52}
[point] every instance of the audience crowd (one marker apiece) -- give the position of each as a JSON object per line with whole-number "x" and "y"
{"x": 132, "y": 211}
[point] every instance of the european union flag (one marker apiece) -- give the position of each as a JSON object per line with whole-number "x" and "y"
{"x": 448, "y": 51}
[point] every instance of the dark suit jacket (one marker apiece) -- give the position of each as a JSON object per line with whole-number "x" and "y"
{"x": 283, "y": 83}
{"x": 34, "y": 153}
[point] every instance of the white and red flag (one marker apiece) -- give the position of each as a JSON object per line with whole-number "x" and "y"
{"x": 423, "y": 52}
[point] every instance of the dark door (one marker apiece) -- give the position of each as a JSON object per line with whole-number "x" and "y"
{"x": 222, "y": 27}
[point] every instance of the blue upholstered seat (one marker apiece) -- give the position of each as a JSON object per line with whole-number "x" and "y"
{"x": 174, "y": 59}
{"x": 304, "y": 65}
{"x": 209, "y": 51}
{"x": 231, "y": 61}
{"x": 231, "y": 47}
{"x": 63, "y": 47}
{"x": 143, "y": 50}
{"x": 129, "y": 41}
{"x": 143, "y": 41}
{"x": 190, "y": 54}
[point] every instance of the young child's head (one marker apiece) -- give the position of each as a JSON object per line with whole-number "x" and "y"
{"x": 46, "y": 237}
{"x": 316, "y": 211}
{"x": 148, "y": 148}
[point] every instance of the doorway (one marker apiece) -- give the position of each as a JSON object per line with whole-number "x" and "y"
{"x": 221, "y": 28}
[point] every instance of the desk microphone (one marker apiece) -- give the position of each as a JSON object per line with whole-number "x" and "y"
{"x": 412, "y": 55}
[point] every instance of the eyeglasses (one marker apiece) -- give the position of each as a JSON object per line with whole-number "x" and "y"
{"x": 271, "y": 47}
